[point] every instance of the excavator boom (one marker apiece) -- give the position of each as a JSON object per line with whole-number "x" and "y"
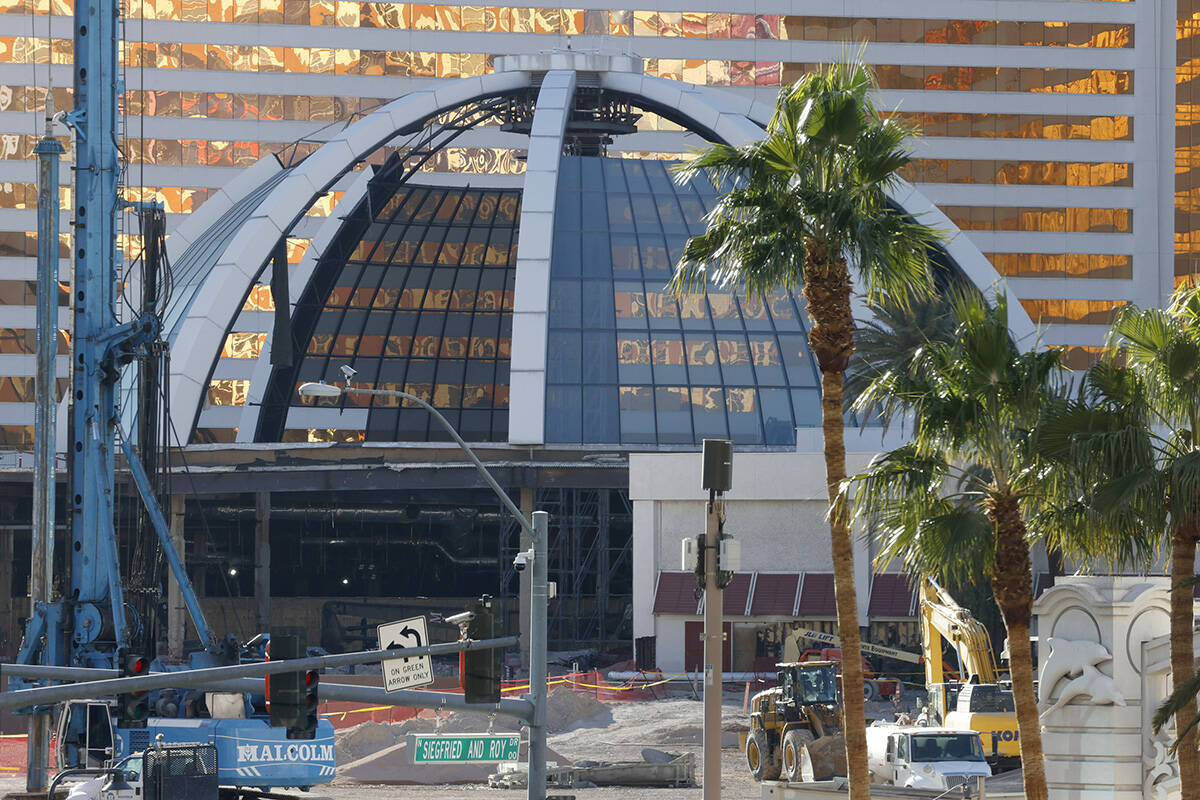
{"x": 943, "y": 618}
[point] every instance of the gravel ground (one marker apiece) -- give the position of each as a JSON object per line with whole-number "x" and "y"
{"x": 618, "y": 734}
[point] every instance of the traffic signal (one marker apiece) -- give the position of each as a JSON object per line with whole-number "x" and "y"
{"x": 481, "y": 668}
{"x": 285, "y": 691}
{"x": 133, "y": 708}
{"x": 306, "y": 725}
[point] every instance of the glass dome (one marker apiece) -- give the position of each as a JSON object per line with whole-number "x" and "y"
{"x": 416, "y": 292}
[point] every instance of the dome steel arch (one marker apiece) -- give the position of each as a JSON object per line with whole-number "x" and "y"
{"x": 209, "y": 306}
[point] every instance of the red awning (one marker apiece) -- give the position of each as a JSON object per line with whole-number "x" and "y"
{"x": 891, "y": 596}
{"x": 816, "y": 595}
{"x": 676, "y": 593}
{"x": 733, "y": 599}
{"x": 775, "y": 594}
{"x": 781, "y": 594}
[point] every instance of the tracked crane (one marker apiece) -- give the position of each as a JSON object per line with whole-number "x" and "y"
{"x": 975, "y": 702}
{"x": 93, "y": 625}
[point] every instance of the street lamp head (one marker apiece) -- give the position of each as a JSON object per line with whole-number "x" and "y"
{"x": 319, "y": 390}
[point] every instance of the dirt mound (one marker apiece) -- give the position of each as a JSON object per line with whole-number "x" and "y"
{"x": 362, "y": 740}
{"x": 678, "y": 734}
{"x": 565, "y": 708}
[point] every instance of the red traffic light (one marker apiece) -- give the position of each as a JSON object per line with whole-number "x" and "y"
{"x": 139, "y": 665}
{"x": 311, "y": 677}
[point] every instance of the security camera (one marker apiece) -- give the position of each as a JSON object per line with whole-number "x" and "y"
{"x": 349, "y": 372}
{"x": 461, "y": 619}
{"x": 523, "y": 559}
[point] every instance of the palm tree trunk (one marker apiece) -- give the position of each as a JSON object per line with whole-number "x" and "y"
{"x": 1183, "y": 660}
{"x": 845, "y": 593}
{"x": 1012, "y": 582}
{"x": 827, "y": 288}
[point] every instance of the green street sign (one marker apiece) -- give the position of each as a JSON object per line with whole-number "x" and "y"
{"x": 462, "y": 747}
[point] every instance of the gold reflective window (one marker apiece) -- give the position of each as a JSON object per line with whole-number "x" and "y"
{"x": 228, "y": 392}
{"x": 243, "y": 345}
{"x": 1063, "y": 265}
{"x": 1041, "y": 219}
{"x": 1072, "y": 312}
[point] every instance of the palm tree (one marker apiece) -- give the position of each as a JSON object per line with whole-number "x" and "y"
{"x": 1131, "y": 438}
{"x": 893, "y": 335}
{"x": 891, "y": 339}
{"x": 975, "y": 400}
{"x": 798, "y": 208}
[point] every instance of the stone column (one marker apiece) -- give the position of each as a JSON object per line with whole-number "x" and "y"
{"x": 262, "y": 559}
{"x": 1091, "y": 636}
{"x": 10, "y": 636}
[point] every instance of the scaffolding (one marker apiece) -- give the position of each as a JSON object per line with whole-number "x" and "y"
{"x": 591, "y": 552}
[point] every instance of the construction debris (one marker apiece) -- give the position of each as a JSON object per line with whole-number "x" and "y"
{"x": 678, "y": 772}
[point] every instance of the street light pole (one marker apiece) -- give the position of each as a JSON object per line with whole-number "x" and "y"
{"x": 487, "y": 476}
{"x": 539, "y": 595}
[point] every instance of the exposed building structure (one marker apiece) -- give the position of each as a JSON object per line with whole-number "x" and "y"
{"x": 490, "y": 225}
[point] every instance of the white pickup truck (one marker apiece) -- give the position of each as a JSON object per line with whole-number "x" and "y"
{"x": 170, "y": 772}
{"x": 925, "y": 758}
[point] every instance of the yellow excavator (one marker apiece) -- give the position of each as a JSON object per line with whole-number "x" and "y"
{"x": 975, "y": 701}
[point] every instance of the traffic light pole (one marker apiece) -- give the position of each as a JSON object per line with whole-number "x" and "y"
{"x": 538, "y": 597}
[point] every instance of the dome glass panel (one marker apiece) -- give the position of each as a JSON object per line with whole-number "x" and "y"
{"x": 629, "y": 362}
{"x": 416, "y": 293}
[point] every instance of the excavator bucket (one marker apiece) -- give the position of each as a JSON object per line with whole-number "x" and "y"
{"x": 823, "y": 759}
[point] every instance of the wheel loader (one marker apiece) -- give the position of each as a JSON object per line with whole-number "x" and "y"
{"x": 796, "y": 727}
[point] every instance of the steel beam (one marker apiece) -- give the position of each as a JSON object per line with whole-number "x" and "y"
{"x": 407, "y": 698}
{"x": 154, "y": 511}
{"x": 176, "y": 608}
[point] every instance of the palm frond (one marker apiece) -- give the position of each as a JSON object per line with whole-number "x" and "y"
{"x": 817, "y": 179}
{"x": 1175, "y": 702}
{"x": 900, "y": 501}
{"x": 1183, "y": 482}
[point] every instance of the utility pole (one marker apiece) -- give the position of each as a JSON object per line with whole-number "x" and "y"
{"x": 46, "y": 400}
{"x": 716, "y": 478}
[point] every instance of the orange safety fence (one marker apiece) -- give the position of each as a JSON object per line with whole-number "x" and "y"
{"x": 346, "y": 714}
